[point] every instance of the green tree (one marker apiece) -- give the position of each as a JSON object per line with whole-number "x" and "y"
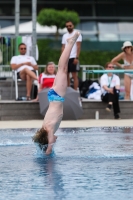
{"x": 58, "y": 18}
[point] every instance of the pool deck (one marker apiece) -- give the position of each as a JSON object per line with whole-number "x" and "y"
{"x": 69, "y": 123}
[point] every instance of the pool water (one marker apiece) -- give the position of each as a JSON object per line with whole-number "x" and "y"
{"x": 87, "y": 163}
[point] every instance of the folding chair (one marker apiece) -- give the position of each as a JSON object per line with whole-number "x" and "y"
{"x": 16, "y": 80}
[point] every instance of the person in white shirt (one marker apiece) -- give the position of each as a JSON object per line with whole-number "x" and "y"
{"x": 25, "y": 67}
{"x": 110, "y": 89}
{"x": 74, "y": 55}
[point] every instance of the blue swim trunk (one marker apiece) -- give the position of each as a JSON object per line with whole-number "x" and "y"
{"x": 53, "y": 96}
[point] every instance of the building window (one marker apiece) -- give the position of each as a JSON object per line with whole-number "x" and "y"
{"x": 105, "y": 10}
{"x": 1, "y": 12}
{"x": 108, "y": 32}
{"x": 125, "y": 10}
{"x": 25, "y": 11}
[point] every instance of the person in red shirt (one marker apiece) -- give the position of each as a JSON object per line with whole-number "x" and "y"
{"x": 46, "y": 79}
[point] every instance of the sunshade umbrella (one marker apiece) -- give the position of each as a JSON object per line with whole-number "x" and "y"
{"x": 71, "y": 105}
{"x": 43, "y": 101}
{"x": 72, "y": 108}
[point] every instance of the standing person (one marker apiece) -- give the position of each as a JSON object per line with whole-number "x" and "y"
{"x": 53, "y": 117}
{"x": 46, "y": 79}
{"x": 127, "y": 57}
{"x": 25, "y": 66}
{"x": 110, "y": 88}
{"x": 74, "y": 55}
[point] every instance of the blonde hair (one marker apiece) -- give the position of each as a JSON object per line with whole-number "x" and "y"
{"x": 46, "y": 68}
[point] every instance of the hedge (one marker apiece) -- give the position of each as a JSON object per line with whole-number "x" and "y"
{"x": 49, "y": 52}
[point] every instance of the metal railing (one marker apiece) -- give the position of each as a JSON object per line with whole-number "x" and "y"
{"x": 6, "y": 71}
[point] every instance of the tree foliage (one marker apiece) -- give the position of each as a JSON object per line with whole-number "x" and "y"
{"x": 58, "y": 18}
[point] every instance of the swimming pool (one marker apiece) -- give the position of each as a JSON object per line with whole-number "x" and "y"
{"x": 89, "y": 163}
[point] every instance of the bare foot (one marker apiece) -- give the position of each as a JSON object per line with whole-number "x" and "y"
{"x": 35, "y": 100}
{"x": 73, "y": 38}
{"x": 127, "y": 97}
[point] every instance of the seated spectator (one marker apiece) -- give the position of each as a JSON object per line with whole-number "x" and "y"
{"x": 46, "y": 79}
{"x": 127, "y": 57}
{"x": 110, "y": 88}
{"x": 25, "y": 66}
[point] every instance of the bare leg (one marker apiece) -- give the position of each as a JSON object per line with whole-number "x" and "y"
{"x": 75, "y": 78}
{"x": 127, "y": 83}
{"x": 60, "y": 83}
{"x": 37, "y": 97}
{"x": 25, "y": 72}
{"x": 28, "y": 85}
{"x": 28, "y": 76}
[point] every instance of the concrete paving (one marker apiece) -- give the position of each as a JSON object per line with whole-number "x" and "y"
{"x": 68, "y": 124}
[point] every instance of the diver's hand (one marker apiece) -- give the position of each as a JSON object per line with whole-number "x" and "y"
{"x": 52, "y": 140}
{"x": 49, "y": 150}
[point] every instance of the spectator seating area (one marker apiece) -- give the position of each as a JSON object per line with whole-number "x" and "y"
{"x": 17, "y": 110}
